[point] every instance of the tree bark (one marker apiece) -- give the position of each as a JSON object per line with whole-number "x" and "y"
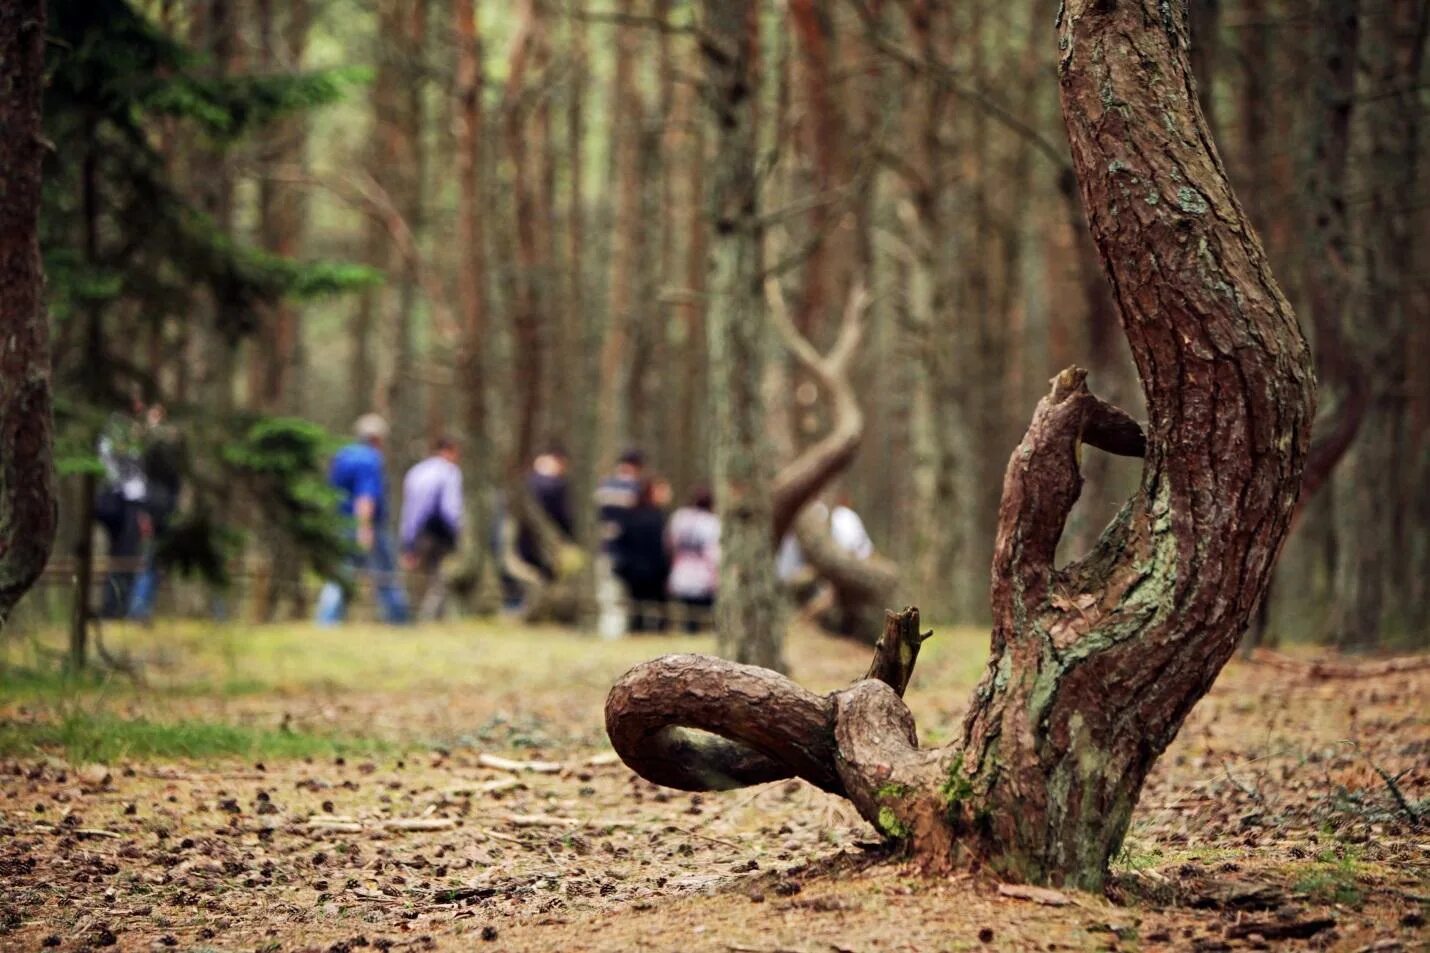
{"x": 275, "y": 363}
{"x": 27, "y": 476}
{"x": 1093, "y": 666}
{"x": 748, "y": 608}
{"x": 526, "y": 147}
{"x": 401, "y": 172}
{"x": 1370, "y": 503}
{"x": 624, "y": 308}
{"x": 472, "y": 289}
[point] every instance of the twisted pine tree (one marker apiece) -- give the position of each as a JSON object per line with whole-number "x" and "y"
{"x": 1094, "y": 665}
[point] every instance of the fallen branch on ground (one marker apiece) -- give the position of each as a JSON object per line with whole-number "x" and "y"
{"x": 507, "y": 764}
{"x": 1328, "y": 668}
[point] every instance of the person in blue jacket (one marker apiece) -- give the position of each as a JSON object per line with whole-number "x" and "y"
{"x": 356, "y": 472}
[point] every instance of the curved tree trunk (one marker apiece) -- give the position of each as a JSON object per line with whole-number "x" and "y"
{"x": 27, "y": 475}
{"x": 1094, "y": 666}
{"x": 859, "y": 589}
{"x": 800, "y": 480}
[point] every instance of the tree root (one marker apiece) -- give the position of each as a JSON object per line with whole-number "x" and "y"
{"x": 700, "y": 723}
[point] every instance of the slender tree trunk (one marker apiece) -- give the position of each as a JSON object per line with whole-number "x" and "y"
{"x": 687, "y": 153}
{"x": 944, "y": 422}
{"x": 748, "y": 608}
{"x": 1369, "y": 506}
{"x": 584, "y": 319}
{"x": 1327, "y": 278}
{"x": 1095, "y": 666}
{"x": 275, "y": 358}
{"x": 222, "y": 39}
{"x": 95, "y": 357}
{"x": 27, "y": 475}
{"x": 274, "y": 361}
{"x": 525, "y": 146}
{"x": 627, "y": 117}
{"x": 472, "y": 290}
{"x": 400, "y": 170}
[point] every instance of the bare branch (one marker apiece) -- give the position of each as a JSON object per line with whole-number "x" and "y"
{"x": 798, "y": 481}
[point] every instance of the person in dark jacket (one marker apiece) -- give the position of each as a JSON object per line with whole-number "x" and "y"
{"x": 162, "y": 462}
{"x": 639, "y": 559}
{"x": 547, "y": 484}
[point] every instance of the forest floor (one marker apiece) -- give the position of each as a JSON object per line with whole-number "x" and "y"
{"x": 284, "y": 788}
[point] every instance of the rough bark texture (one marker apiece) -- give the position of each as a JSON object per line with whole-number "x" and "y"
{"x": 747, "y": 612}
{"x": 27, "y": 476}
{"x": 1093, "y": 667}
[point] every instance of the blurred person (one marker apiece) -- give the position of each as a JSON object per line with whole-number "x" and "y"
{"x": 616, "y": 496}
{"x": 431, "y": 523}
{"x": 356, "y": 473}
{"x": 638, "y": 558}
{"x": 161, "y": 459}
{"x": 848, "y": 530}
{"x": 119, "y": 507}
{"x": 546, "y": 481}
{"x": 661, "y": 493}
{"x": 692, "y": 538}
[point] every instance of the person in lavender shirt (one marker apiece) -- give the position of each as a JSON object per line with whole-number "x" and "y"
{"x": 432, "y": 523}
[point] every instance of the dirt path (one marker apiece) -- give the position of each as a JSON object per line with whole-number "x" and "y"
{"x": 1269, "y": 816}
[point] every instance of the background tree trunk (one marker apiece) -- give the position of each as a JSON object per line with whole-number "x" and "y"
{"x": 27, "y": 475}
{"x": 1370, "y": 500}
{"x": 472, "y": 290}
{"x": 747, "y": 612}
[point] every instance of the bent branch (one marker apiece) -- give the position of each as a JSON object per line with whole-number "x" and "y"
{"x": 799, "y": 480}
{"x": 699, "y": 723}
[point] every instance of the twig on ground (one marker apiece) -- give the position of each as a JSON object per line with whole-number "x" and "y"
{"x": 1409, "y": 809}
{"x": 712, "y": 839}
{"x": 507, "y": 764}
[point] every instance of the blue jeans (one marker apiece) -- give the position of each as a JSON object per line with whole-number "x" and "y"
{"x": 146, "y": 587}
{"x": 379, "y": 565}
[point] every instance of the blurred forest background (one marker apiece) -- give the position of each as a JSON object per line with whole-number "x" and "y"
{"x": 490, "y": 220}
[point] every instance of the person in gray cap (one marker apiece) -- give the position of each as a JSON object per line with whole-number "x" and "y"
{"x": 357, "y": 474}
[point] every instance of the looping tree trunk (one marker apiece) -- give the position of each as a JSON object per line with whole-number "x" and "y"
{"x": 800, "y": 480}
{"x": 699, "y": 723}
{"x": 1095, "y": 665}
{"x": 859, "y": 589}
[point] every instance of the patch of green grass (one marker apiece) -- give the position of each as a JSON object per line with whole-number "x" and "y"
{"x": 1135, "y": 857}
{"x": 19, "y": 683}
{"x": 100, "y": 737}
{"x": 1333, "y": 877}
